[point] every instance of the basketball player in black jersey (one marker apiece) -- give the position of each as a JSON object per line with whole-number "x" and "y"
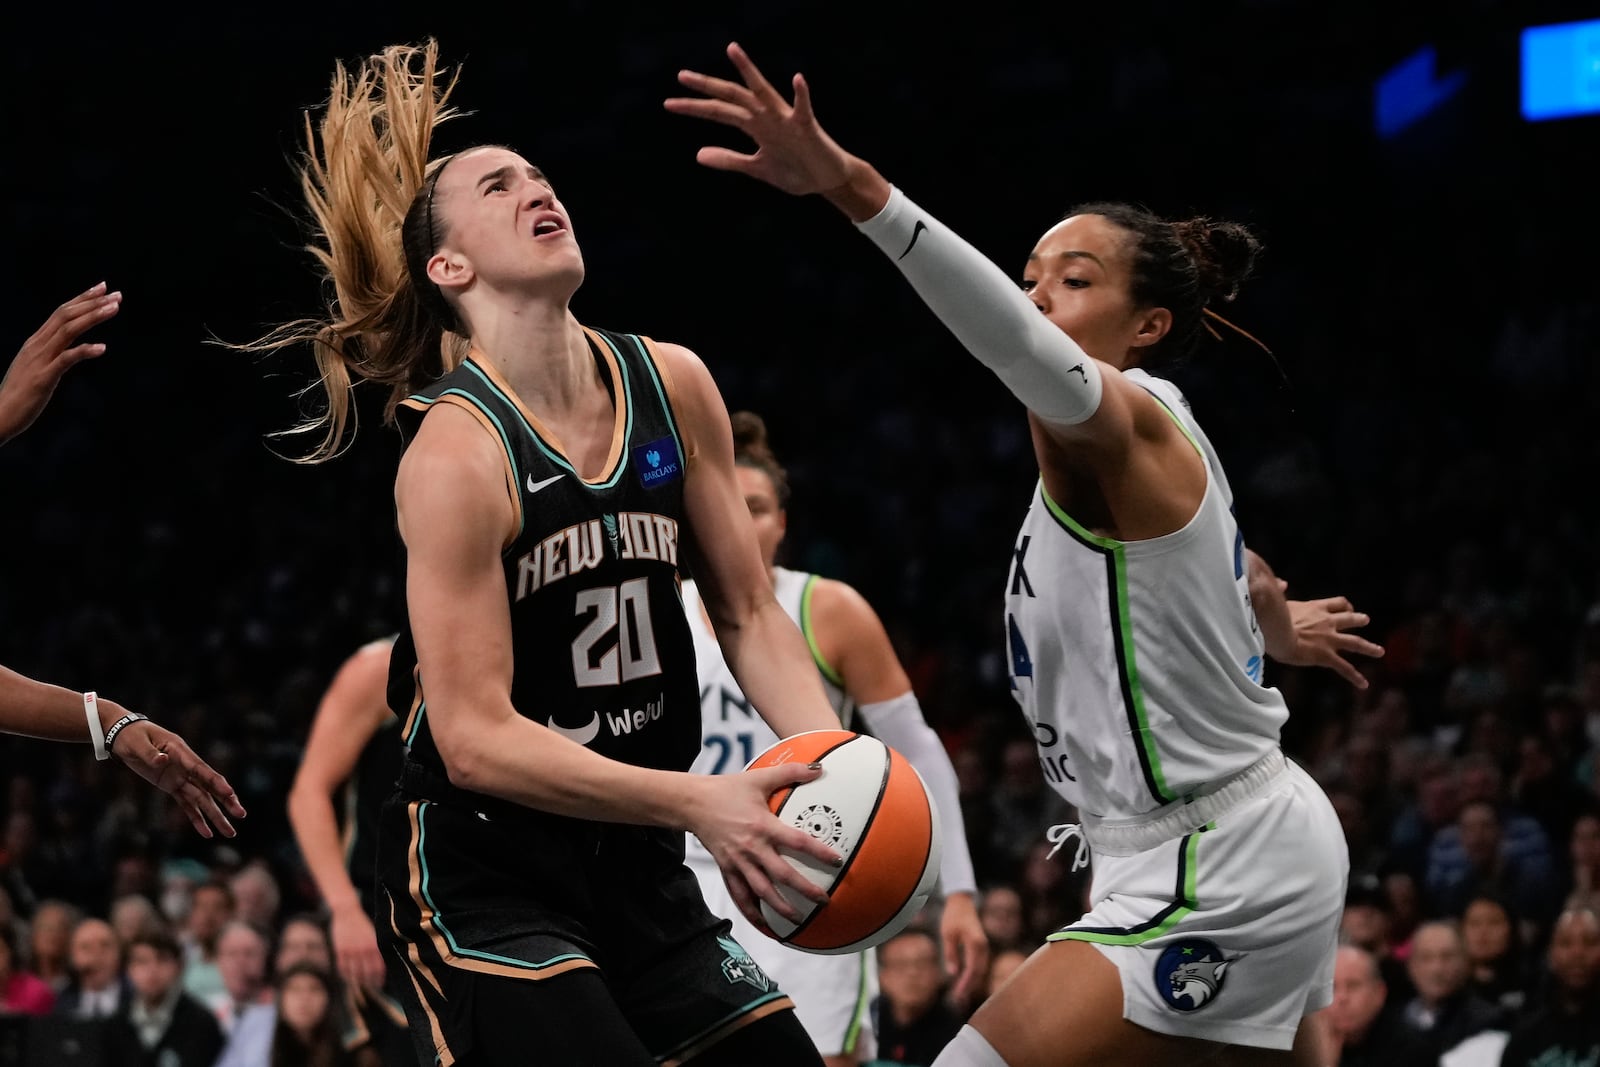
{"x": 554, "y": 480}
{"x": 51, "y": 712}
{"x": 353, "y": 751}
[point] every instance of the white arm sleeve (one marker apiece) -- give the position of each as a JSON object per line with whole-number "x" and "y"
{"x": 899, "y": 724}
{"x": 988, "y": 313}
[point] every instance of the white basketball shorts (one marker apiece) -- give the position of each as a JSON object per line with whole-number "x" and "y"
{"x": 1222, "y": 912}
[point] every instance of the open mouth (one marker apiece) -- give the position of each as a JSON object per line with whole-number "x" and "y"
{"x": 546, "y": 227}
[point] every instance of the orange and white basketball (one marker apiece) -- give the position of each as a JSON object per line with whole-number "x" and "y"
{"x": 872, "y": 806}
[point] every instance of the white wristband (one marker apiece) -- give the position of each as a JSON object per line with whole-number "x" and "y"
{"x": 91, "y": 711}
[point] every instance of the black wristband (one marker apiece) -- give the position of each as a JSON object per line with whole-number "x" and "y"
{"x": 116, "y": 727}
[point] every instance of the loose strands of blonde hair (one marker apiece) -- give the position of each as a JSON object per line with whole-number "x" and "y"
{"x": 364, "y": 164}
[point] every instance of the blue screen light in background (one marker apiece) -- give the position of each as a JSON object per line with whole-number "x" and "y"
{"x": 1410, "y": 91}
{"x": 1561, "y": 70}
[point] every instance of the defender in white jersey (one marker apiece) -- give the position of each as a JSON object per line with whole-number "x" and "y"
{"x": 1135, "y": 625}
{"x": 869, "y": 690}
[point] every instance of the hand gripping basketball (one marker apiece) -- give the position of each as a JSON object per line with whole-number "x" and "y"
{"x": 871, "y": 806}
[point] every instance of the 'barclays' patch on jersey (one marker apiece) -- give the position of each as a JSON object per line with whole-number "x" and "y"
{"x": 658, "y": 462}
{"x": 1189, "y": 973}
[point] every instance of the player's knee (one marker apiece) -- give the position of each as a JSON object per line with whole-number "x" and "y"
{"x": 969, "y": 1049}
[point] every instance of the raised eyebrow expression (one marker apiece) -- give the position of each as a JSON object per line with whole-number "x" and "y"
{"x": 500, "y": 174}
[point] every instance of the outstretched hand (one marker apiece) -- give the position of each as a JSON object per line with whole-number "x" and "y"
{"x": 166, "y": 761}
{"x": 1322, "y": 637}
{"x": 52, "y": 351}
{"x": 748, "y": 841}
{"x": 793, "y": 153}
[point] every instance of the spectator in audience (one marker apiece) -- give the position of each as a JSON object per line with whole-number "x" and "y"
{"x": 303, "y": 938}
{"x": 1495, "y": 958}
{"x": 1540, "y": 788}
{"x": 1435, "y": 807}
{"x": 256, "y": 895}
{"x": 1367, "y": 925}
{"x": 242, "y": 963}
{"x": 1000, "y": 912}
{"x": 1365, "y": 1029}
{"x": 1583, "y": 851}
{"x": 909, "y": 1016}
{"x": 1443, "y": 1012}
{"x": 131, "y": 914}
{"x": 21, "y": 991}
{"x": 163, "y": 1026}
{"x": 1482, "y": 859}
{"x": 210, "y": 908}
{"x": 302, "y": 944}
{"x": 1564, "y": 1031}
{"x": 48, "y": 933}
{"x": 99, "y": 987}
{"x": 306, "y": 1031}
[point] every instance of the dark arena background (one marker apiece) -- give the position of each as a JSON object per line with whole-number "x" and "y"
{"x": 1422, "y": 438}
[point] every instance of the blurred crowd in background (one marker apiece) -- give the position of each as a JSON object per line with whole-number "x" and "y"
{"x": 1419, "y": 440}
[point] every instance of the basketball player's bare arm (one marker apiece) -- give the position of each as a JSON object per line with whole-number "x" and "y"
{"x": 851, "y": 637}
{"x": 159, "y": 756}
{"x": 1307, "y": 633}
{"x": 52, "y": 351}
{"x": 764, "y": 648}
{"x": 455, "y": 513}
{"x": 351, "y": 711}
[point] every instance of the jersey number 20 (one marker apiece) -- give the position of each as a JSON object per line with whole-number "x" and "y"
{"x": 624, "y": 608}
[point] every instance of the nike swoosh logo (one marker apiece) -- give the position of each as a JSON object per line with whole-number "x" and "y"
{"x": 916, "y": 231}
{"x": 583, "y": 734}
{"x": 534, "y": 487}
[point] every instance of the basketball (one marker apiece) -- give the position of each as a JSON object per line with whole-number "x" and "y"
{"x": 871, "y": 805}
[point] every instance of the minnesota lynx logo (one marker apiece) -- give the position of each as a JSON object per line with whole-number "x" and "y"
{"x": 739, "y": 967}
{"x": 1189, "y": 973}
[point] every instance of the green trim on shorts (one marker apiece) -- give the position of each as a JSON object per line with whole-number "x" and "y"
{"x": 1158, "y": 924}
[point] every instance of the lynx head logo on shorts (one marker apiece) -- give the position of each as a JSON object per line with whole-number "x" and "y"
{"x": 739, "y": 967}
{"x": 1189, "y": 973}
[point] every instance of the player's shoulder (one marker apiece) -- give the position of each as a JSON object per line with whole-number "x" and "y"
{"x": 835, "y": 602}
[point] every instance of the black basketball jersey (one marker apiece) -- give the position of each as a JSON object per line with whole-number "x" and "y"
{"x": 601, "y": 644}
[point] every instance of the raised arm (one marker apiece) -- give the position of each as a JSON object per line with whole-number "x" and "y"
{"x": 53, "y": 350}
{"x": 764, "y": 648}
{"x": 350, "y": 713}
{"x": 1075, "y": 398}
{"x": 454, "y": 516}
{"x": 852, "y": 639}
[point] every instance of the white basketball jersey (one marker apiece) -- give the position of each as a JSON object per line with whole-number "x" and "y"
{"x": 1139, "y": 664}
{"x": 732, "y": 733}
